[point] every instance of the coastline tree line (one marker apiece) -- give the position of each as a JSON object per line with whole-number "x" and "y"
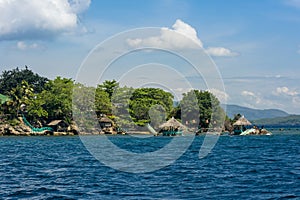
{"x": 48, "y": 100}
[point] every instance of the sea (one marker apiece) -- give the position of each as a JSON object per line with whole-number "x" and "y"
{"x": 238, "y": 167}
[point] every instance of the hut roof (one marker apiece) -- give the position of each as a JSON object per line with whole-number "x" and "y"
{"x": 105, "y": 119}
{"x": 171, "y": 123}
{"x": 242, "y": 121}
{"x": 54, "y": 122}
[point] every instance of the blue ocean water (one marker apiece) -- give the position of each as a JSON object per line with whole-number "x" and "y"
{"x": 250, "y": 167}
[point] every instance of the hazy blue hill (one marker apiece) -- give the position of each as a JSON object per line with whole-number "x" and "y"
{"x": 253, "y": 114}
{"x": 292, "y": 120}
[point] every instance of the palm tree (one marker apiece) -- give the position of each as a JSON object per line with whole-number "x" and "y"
{"x": 19, "y": 96}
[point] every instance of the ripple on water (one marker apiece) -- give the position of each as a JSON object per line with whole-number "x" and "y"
{"x": 237, "y": 168}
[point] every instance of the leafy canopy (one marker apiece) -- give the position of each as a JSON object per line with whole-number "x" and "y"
{"x": 143, "y": 99}
{"x": 13, "y": 78}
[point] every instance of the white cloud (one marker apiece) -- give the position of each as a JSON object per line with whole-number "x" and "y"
{"x": 220, "y": 51}
{"x": 221, "y": 95}
{"x": 187, "y": 30}
{"x": 247, "y": 93}
{"x": 251, "y": 97}
{"x": 285, "y": 91}
{"x": 257, "y": 101}
{"x": 21, "y": 45}
{"x": 180, "y": 36}
{"x": 31, "y": 19}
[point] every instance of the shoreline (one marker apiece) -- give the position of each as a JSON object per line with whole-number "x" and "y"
{"x": 23, "y": 130}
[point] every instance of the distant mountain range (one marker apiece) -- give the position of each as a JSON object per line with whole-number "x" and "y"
{"x": 289, "y": 121}
{"x": 254, "y": 114}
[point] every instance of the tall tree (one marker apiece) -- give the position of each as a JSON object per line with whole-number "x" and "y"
{"x": 143, "y": 99}
{"x": 109, "y": 87}
{"x": 21, "y": 95}
{"x": 58, "y": 98}
{"x": 120, "y": 107}
{"x": 209, "y": 110}
{"x": 12, "y": 78}
{"x": 102, "y": 101}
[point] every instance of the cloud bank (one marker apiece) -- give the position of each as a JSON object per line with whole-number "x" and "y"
{"x": 285, "y": 91}
{"x": 180, "y": 36}
{"x": 221, "y": 95}
{"x": 36, "y": 19}
{"x": 177, "y": 37}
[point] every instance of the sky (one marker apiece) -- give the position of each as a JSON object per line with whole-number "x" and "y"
{"x": 254, "y": 45}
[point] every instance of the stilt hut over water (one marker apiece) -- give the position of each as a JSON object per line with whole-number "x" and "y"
{"x": 171, "y": 128}
{"x": 240, "y": 125}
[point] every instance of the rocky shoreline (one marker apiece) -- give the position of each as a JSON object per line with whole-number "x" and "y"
{"x": 23, "y": 130}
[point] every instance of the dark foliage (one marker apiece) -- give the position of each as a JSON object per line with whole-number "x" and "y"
{"x": 13, "y": 78}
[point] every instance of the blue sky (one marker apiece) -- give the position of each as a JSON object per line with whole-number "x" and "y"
{"x": 255, "y": 44}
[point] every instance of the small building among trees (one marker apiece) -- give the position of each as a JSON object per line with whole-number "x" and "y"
{"x": 59, "y": 126}
{"x": 106, "y": 124}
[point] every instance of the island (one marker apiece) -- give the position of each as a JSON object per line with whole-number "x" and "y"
{"x": 35, "y": 105}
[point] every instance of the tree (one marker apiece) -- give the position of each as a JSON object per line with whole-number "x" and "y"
{"x": 189, "y": 109}
{"x": 84, "y": 106}
{"x": 157, "y": 115}
{"x": 35, "y": 109}
{"x": 57, "y": 98}
{"x": 209, "y": 110}
{"x": 143, "y": 99}
{"x": 13, "y": 78}
{"x": 102, "y": 101}
{"x": 109, "y": 87}
{"x": 120, "y": 106}
{"x": 20, "y": 95}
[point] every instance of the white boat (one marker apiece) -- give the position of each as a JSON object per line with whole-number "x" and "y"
{"x": 255, "y": 131}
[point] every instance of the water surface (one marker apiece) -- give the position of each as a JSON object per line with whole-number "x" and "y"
{"x": 250, "y": 167}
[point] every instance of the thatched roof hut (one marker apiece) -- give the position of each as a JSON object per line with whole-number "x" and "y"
{"x": 105, "y": 122}
{"x": 242, "y": 121}
{"x": 171, "y": 124}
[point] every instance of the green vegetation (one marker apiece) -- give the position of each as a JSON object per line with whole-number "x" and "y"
{"x": 54, "y": 102}
{"x": 143, "y": 99}
{"x": 43, "y": 100}
{"x": 13, "y": 78}
{"x": 201, "y": 106}
{"x": 3, "y": 98}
